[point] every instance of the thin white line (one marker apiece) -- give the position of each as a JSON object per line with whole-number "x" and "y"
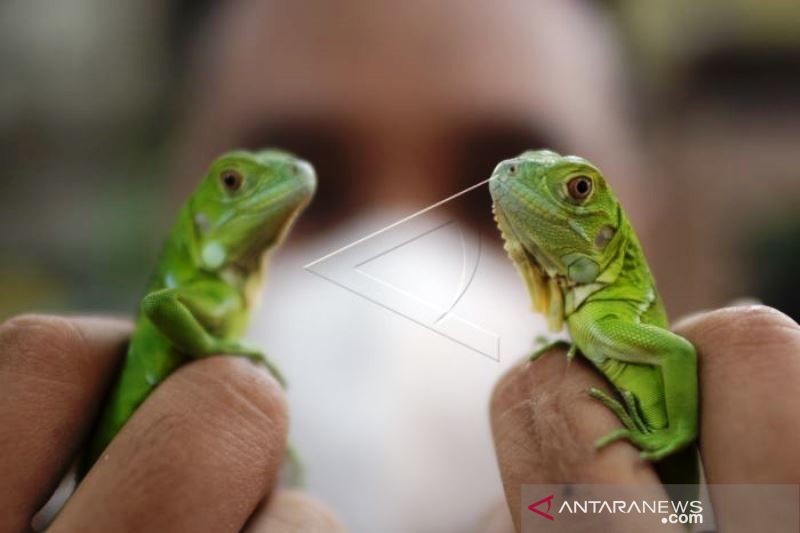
{"x": 495, "y": 358}
{"x": 412, "y": 239}
{"x": 401, "y": 221}
{"x": 435, "y": 308}
{"x": 471, "y": 278}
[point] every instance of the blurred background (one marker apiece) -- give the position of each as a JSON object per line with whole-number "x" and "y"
{"x": 93, "y": 100}
{"x": 109, "y": 115}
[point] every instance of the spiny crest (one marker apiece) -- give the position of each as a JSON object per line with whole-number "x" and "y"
{"x": 544, "y": 291}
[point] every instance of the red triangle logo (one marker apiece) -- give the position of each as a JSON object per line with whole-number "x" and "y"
{"x": 546, "y": 514}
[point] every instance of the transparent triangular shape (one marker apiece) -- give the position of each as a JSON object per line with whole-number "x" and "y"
{"x": 418, "y": 267}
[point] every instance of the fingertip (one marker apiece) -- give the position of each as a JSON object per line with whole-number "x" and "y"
{"x": 199, "y": 454}
{"x": 747, "y": 355}
{"x": 741, "y": 326}
{"x": 544, "y": 426}
{"x": 525, "y": 378}
{"x": 53, "y": 370}
{"x": 242, "y": 403}
{"x": 63, "y": 346}
{"x": 250, "y": 381}
{"x": 292, "y": 511}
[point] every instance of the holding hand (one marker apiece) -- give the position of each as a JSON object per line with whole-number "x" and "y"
{"x": 545, "y": 424}
{"x": 203, "y": 452}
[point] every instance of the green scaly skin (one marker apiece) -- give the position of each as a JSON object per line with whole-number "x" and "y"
{"x": 207, "y": 280}
{"x": 584, "y": 267}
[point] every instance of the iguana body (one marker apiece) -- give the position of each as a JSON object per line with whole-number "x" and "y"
{"x": 583, "y": 266}
{"x": 206, "y": 282}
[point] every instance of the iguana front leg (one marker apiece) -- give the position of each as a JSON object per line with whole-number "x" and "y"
{"x": 642, "y": 344}
{"x": 191, "y": 317}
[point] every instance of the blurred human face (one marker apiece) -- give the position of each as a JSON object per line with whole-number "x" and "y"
{"x": 404, "y": 103}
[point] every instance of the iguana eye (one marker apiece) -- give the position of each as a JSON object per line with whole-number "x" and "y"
{"x": 579, "y": 188}
{"x": 231, "y": 180}
{"x": 512, "y": 170}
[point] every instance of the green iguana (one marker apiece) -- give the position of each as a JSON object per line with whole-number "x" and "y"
{"x": 583, "y": 266}
{"x": 207, "y": 280}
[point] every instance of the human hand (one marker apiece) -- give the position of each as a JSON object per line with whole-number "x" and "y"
{"x": 544, "y": 424}
{"x": 202, "y": 453}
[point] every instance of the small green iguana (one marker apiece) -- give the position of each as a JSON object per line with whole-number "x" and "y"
{"x": 207, "y": 280}
{"x": 583, "y": 265}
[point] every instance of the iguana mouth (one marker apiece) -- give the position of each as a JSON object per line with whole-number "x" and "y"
{"x": 535, "y": 254}
{"x": 517, "y": 192}
{"x": 545, "y": 285}
{"x": 266, "y": 240}
{"x": 291, "y": 194}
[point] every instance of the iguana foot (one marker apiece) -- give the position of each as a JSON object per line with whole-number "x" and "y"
{"x": 663, "y": 442}
{"x": 655, "y": 444}
{"x": 665, "y": 449}
{"x": 255, "y": 355}
{"x": 632, "y": 405}
{"x": 547, "y": 345}
{"x": 660, "y": 443}
{"x": 628, "y": 414}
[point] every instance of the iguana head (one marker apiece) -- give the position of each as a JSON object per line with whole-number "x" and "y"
{"x": 558, "y": 218}
{"x": 246, "y": 204}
